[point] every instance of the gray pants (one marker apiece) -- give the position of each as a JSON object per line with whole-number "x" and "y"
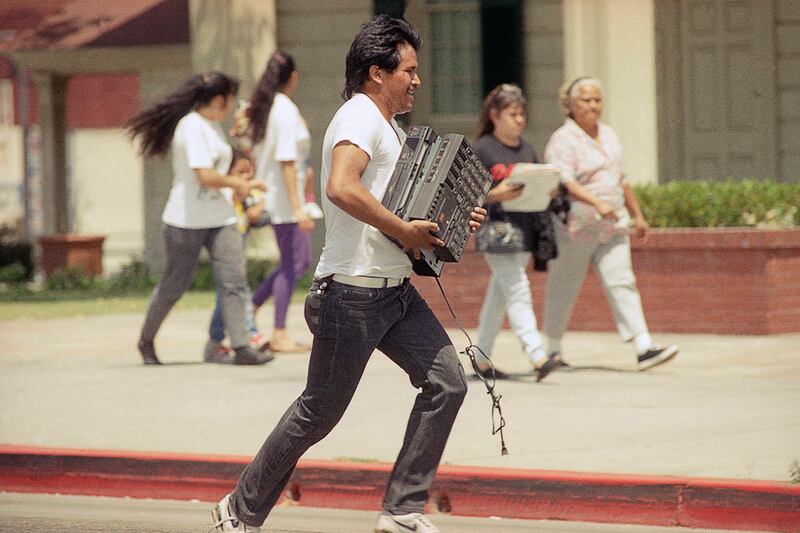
{"x": 348, "y": 324}
{"x": 612, "y": 263}
{"x": 183, "y": 253}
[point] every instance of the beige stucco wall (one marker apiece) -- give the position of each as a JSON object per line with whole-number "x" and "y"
{"x": 11, "y": 175}
{"x": 614, "y": 40}
{"x": 106, "y": 187}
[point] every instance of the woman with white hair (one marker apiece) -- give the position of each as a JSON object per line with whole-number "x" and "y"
{"x": 589, "y": 155}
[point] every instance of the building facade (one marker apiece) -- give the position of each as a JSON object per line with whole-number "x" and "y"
{"x": 696, "y": 89}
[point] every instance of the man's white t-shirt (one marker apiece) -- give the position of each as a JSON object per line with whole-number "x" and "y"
{"x": 286, "y": 139}
{"x": 353, "y": 247}
{"x": 198, "y": 143}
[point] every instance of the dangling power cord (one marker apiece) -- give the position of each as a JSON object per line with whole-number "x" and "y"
{"x": 498, "y": 422}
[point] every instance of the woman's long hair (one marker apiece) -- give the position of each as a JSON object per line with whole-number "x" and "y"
{"x": 156, "y": 124}
{"x": 499, "y": 98}
{"x": 279, "y": 69}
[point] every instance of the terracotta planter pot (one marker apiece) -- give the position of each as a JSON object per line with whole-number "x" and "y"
{"x": 716, "y": 280}
{"x": 62, "y": 251}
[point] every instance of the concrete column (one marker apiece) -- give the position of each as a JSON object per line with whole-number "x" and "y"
{"x": 614, "y": 40}
{"x": 234, "y": 37}
{"x": 157, "y": 171}
{"x": 51, "y": 91}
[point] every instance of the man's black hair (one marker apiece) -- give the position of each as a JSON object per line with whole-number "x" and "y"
{"x": 376, "y": 44}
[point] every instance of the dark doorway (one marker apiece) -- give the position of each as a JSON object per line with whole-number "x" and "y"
{"x": 501, "y": 31}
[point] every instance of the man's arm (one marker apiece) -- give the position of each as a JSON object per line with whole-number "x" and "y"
{"x": 346, "y": 191}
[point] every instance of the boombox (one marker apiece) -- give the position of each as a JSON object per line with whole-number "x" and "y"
{"x": 438, "y": 179}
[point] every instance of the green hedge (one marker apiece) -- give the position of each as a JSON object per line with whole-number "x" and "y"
{"x": 133, "y": 278}
{"x": 708, "y": 204}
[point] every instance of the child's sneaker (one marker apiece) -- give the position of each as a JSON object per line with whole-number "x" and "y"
{"x": 259, "y": 342}
{"x": 403, "y": 523}
{"x": 225, "y": 520}
{"x": 216, "y": 352}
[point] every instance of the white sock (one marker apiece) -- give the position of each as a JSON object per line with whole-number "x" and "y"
{"x": 642, "y": 342}
{"x": 537, "y": 357}
{"x": 553, "y": 345}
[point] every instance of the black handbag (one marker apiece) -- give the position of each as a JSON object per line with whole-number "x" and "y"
{"x": 499, "y": 237}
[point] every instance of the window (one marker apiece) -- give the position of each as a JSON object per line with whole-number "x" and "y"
{"x": 456, "y": 72}
{"x": 476, "y": 45}
{"x": 501, "y": 27}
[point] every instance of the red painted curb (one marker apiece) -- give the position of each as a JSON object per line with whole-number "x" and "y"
{"x": 461, "y": 490}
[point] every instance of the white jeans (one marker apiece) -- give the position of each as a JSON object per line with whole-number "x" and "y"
{"x": 508, "y": 292}
{"x": 612, "y": 263}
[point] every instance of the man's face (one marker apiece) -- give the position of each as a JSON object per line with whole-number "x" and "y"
{"x": 400, "y": 85}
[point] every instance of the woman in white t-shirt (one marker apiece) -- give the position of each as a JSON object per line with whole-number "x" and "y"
{"x": 281, "y": 144}
{"x": 197, "y": 214}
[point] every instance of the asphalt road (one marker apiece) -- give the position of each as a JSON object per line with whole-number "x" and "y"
{"x": 37, "y": 513}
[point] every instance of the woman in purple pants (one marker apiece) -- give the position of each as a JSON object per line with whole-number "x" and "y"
{"x": 281, "y": 147}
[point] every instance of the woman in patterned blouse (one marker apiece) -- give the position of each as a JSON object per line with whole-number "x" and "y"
{"x": 589, "y": 155}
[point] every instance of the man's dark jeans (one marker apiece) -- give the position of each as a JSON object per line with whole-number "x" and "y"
{"x": 348, "y": 324}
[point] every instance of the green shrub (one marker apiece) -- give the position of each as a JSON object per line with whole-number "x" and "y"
{"x": 698, "y": 204}
{"x": 257, "y": 270}
{"x": 133, "y": 277}
{"x": 203, "y": 278}
{"x": 72, "y": 278}
{"x": 13, "y": 273}
{"x": 14, "y": 252}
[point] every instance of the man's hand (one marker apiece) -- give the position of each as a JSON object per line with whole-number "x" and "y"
{"x": 419, "y": 234}
{"x": 477, "y": 217}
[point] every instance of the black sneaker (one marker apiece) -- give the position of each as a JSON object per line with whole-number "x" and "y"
{"x": 247, "y": 355}
{"x": 491, "y": 372}
{"x": 656, "y": 356}
{"x": 561, "y": 362}
{"x": 148, "y": 351}
{"x": 553, "y": 363}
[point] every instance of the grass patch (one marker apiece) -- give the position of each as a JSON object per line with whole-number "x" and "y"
{"x": 46, "y": 306}
{"x": 71, "y": 293}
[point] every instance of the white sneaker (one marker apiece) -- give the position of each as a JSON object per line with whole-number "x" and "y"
{"x": 404, "y": 523}
{"x": 225, "y": 520}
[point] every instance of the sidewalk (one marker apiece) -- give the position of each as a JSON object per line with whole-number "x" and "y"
{"x": 727, "y": 407}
